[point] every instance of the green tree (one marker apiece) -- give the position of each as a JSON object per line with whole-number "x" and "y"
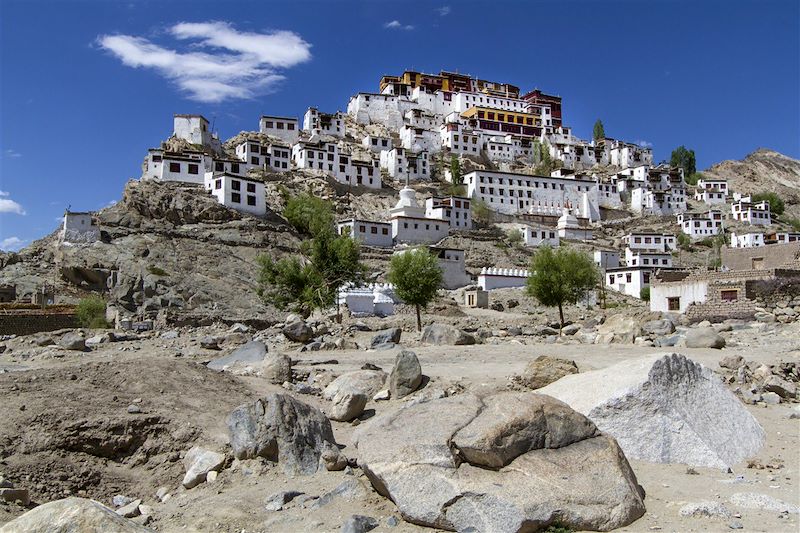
{"x": 481, "y": 212}
{"x": 560, "y": 276}
{"x": 543, "y": 161}
{"x": 416, "y": 277}
{"x": 692, "y": 179}
{"x": 456, "y": 177}
{"x": 644, "y": 294}
{"x": 514, "y": 237}
{"x": 684, "y": 241}
{"x": 684, "y": 158}
{"x": 307, "y": 213}
{"x": 599, "y": 131}
{"x": 327, "y": 261}
{"x": 776, "y": 205}
{"x": 91, "y": 312}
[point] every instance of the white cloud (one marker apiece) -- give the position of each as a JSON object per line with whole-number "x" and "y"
{"x": 397, "y": 25}
{"x": 644, "y": 144}
{"x": 443, "y": 11}
{"x": 11, "y": 244}
{"x": 7, "y": 205}
{"x": 12, "y": 153}
{"x": 219, "y": 63}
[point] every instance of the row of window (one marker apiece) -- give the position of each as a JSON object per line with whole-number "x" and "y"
{"x": 268, "y": 124}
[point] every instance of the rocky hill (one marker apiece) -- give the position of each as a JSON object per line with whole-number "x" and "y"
{"x": 763, "y": 170}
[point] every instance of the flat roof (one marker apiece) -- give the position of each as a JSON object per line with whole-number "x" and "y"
{"x": 529, "y": 176}
{"x": 640, "y": 267}
{"x": 190, "y": 116}
{"x": 282, "y": 118}
{"x": 346, "y": 220}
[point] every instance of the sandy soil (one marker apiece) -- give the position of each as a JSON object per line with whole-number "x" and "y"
{"x": 65, "y": 429}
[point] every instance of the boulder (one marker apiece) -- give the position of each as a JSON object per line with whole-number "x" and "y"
{"x": 414, "y": 456}
{"x": 619, "y": 329}
{"x": 368, "y": 382}
{"x": 544, "y": 331}
{"x": 386, "y": 336}
{"x": 251, "y": 353}
{"x": 756, "y": 500}
{"x": 359, "y": 524}
{"x": 406, "y": 376}
{"x": 72, "y": 515}
{"x": 347, "y": 405}
{"x": 782, "y": 387}
{"x": 664, "y": 409}
{"x": 73, "y": 340}
{"x": 570, "y": 330}
{"x": 545, "y": 370}
{"x": 130, "y": 510}
{"x": 43, "y": 340}
{"x": 298, "y": 331}
{"x": 443, "y": 334}
{"x": 209, "y": 343}
{"x": 704, "y": 337}
{"x": 10, "y": 494}
{"x": 276, "y": 368}
{"x": 731, "y": 362}
{"x": 199, "y": 463}
{"x": 705, "y": 509}
{"x": 282, "y": 430}
{"x": 658, "y": 327}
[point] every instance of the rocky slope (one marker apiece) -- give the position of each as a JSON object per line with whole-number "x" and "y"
{"x": 763, "y": 170}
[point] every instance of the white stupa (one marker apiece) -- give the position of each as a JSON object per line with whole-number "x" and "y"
{"x": 407, "y": 205}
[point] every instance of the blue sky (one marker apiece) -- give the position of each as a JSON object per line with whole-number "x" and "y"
{"x": 86, "y": 87}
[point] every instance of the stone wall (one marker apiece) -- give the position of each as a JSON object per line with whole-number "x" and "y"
{"x": 762, "y": 257}
{"x": 27, "y": 321}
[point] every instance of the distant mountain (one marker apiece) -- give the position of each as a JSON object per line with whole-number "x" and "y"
{"x": 763, "y": 170}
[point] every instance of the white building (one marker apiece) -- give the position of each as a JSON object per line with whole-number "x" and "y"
{"x": 608, "y": 195}
{"x": 606, "y": 259}
{"x": 574, "y": 153}
{"x": 316, "y": 154}
{"x": 451, "y": 261}
{"x": 236, "y": 192}
{"x": 624, "y": 155}
{"x": 498, "y": 148}
{"x": 513, "y": 193}
{"x": 195, "y": 130}
{"x": 187, "y": 167}
{"x": 375, "y": 299}
{"x": 402, "y": 164}
{"x": 636, "y": 258}
{"x": 410, "y": 225}
{"x": 460, "y": 139}
{"x": 377, "y": 143}
{"x": 629, "y": 280}
{"x": 500, "y": 278}
{"x": 713, "y": 185}
{"x": 419, "y": 139}
{"x": 701, "y": 226}
{"x": 539, "y": 236}
{"x": 79, "y": 228}
{"x": 368, "y": 232}
{"x": 454, "y": 209}
{"x": 712, "y": 192}
{"x": 266, "y": 156}
{"x": 318, "y": 123}
{"x": 389, "y": 110}
{"x": 664, "y": 242}
{"x": 570, "y": 228}
{"x": 787, "y": 237}
{"x": 756, "y": 214}
{"x": 282, "y": 127}
{"x": 747, "y": 240}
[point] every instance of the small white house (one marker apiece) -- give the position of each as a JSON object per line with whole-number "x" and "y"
{"x": 629, "y": 280}
{"x": 315, "y": 122}
{"x": 701, "y": 226}
{"x": 195, "y": 130}
{"x": 368, "y": 232}
{"x": 237, "y": 192}
{"x": 500, "y": 278}
{"x": 187, "y": 167}
{"x": 455, "y": 209}
{"x": 377, "y": 143}
{"x": 787, "y": 237}
{"x": 401, "y": 164}
{"x": 282, "y": 127}
{"x": 375, "y": 299}
{"x": 647, "y": 258}
{"x": 451, "y": 261}
{"x": 747, "y": 240}
{"x": 606, "y": 259}
{"x": 756, "y": 214}
{"x": 410, "y": 225}
{"x": 711, "y": 191}
{"x": 539, "y": 236}
{"x": 650, "y": 241}
{"x": 569, "y": 228}
{"x": 79, "y": 228}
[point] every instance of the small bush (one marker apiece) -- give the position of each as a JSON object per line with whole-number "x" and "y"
{"x": 794, "y": 223}
{"x": 157, "y": 271}
{"x": 644, "y": 294}
{"x": 91, "y": 312}
{"x": 684, "y": 240}
{"x": 514, "y": 237}
{"x": 481, "y": 212}
{"x": 776, "y": 205}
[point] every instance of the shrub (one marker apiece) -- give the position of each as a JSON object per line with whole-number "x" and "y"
{"x": 157, "y": 271}
{"x": 481, "y": 211}
{"x": 416, "y": 276}
{"x": 514, "y": 237}
{"x": 794, "y": 223}
{"x": 684, "y": 240}
{"x": 308, "y": 214}
{"x": 91, "y": 312}
{"x": 644, "y": 294}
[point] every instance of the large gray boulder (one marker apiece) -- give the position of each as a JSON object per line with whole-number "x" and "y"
{"x": 664, "y": 409}
{"x": 658, "y": 327}
{"x": 251, "y": 354}
{"x": 508, "y": 462}
{"x": 620, "y": 329}
{"x": 72, "y": 515}
{"x": 443, "y": 334}
{"x": 545, "y": 369}
{"x": 347, "y": 405}
{"x": 406, "y": 376}
{"x": 368, "y": 382}
{"x": 198, "y": 463}
{"x": 282, "y": 430}
{"x": 704, "y": 337}
{"x": 276, "y": 368}
{"x": 73, "y": 340}
{"x": 386, "y": 336}
{"x": 298, "y": 331}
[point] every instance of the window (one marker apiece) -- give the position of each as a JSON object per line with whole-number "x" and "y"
{"x": 268, "y": 124}
{"x": 729, "y": 295}
{"x": 174, "y": 167}
{"x": 235, "y": 168}
{"x": 674, "y": 303}
{"x": 611, "y": 279}
{"x": 251, "y": 200}
{"x": 254, "y": 160}
{"x": 280, "y": 125}
{"x": 290, "y": 126}
{"x": 236, "y": 185}
{"x": 385, "y": 231}
{"x": 251, "y": 187}
{"x": 218, "y": 184}
{"x": 236, "y": 198}
{"x": 628, "y": 277}
{"x": 219, "y": 166}
{"x": 156, "y": 158}
{"x": 373, "y": 230}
